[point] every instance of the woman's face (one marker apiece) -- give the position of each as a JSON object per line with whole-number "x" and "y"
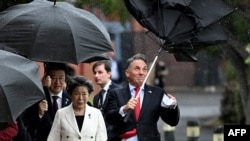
{"x": 80, "y": 97}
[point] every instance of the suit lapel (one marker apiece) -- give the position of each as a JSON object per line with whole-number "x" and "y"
{"x": 87, "y": 122}
{"x": 70, "y": 117}
{"x": 126, "y": 93}
{"x": 148, "y": 97}
{"x": 50, "y": 109}
{"x": 98, "y": 100}
{"x": 111, "y": 86}
{"x": 65, "y": 99}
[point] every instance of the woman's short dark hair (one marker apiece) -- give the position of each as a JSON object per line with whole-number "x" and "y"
{"x": 79, "y": 81}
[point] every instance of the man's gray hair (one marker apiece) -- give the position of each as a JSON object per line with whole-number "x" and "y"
{"x": 136, "y": 57}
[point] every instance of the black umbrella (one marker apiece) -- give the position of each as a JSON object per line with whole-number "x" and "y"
{"x": 42, "y": 31}
{"x": 185, "y": 26}
{"x": 182, "y": 27}
{"x": 20, "y": 85}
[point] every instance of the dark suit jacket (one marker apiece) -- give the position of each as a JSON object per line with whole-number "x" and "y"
{"x": 111, "y": 136}
{"x": 39, "y": 128}
{"x": 151, "y": 111}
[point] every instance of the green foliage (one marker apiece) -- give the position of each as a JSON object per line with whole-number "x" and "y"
{"x": 213, "y": 50}
{"x": 233, "y": 2}
{"x": 230, "y": 73}
{"x": 4, "y": 4}
{"x": 240, "y": 27}
{"x": 247, "y": 61}
{"x": 109, "y": 7}
{"x": 237, "y": 2}
{"x": 90, "y": 100}
{"x": 240, "y": 117}
{"x": 231, "y": 105}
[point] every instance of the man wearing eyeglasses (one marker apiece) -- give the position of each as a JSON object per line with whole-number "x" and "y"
{"x": 42, "y": 114}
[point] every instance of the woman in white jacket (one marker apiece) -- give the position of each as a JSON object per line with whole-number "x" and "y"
{"x": 78, "y": 121}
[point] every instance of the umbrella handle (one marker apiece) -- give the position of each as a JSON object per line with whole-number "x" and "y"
{"x": 129, "y": 112}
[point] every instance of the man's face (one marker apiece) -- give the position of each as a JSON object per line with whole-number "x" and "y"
{"x": 137, "y": 72}
{"x": 57, "y": 81}
{"x": 101, "y": 76}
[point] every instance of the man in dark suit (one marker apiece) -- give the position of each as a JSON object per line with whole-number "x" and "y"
{"x": 151, "y": 104}
{"x": 102, "y": 77}
{"x": 41, "y": 115}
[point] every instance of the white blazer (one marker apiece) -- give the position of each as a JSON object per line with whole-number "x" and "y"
{"x": 65, "y": 127}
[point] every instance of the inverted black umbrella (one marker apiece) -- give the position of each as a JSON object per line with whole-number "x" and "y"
{"x": 53, "y": 32}
{"x": 182, "y": 27}
{"x": 185, "y": 26}
{"x": 20, "y": 85}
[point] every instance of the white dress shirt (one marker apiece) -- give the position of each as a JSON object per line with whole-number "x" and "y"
{"x": 166, "y": 102}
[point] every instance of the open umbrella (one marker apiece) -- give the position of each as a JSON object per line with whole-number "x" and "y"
{"x": 184, "y": 26}
{"x": 53, "y": 32}
{"x": 20, "y": 85}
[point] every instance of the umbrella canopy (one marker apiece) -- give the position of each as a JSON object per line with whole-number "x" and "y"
{"x": 185, "y": 25}
{"x": 20, "y": 85}
{"x": 182, "y": 26}
{"x": 42, "y": 31}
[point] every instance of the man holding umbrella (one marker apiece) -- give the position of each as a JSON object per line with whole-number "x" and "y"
{"x": 151, "y": 104}
{"x": 42, "y": 114}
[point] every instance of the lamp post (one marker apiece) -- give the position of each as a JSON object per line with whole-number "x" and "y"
{"x": 218, "y": 134}
{"x": 193, "y": 131}
{"x": 168, "y": 132}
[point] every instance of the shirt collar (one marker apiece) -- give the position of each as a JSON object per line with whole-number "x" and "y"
{"x": 59, "y": 94}
{"x": 131, "y": 87}
{"x": 106, "y": 87}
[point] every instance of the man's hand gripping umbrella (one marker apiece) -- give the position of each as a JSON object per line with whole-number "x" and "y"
{"x": 168, "y": 100}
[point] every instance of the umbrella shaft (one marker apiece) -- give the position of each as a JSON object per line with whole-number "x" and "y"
{"x": 150, "y": 69}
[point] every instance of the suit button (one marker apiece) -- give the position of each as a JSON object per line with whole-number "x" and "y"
{"x": 79, "y": 138}
{"x": 91, "y": 137}
{"x": 67, "y": 136}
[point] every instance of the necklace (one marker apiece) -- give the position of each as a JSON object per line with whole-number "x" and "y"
{"x": 79, "y": 111}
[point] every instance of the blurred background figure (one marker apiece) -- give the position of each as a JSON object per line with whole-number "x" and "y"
{"x": 116, "y": 65}
{"x": 8, "y": 130}
{"x": 158, "y": 74}
{"x": 102, "y": 77}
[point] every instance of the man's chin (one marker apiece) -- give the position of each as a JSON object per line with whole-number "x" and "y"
{"x": 56, "y": 91}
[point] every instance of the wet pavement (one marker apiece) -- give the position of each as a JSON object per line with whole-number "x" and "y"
{"x": 199, "y": 106}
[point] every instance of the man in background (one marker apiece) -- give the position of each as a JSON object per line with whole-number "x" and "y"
{"x": 116, "y": 65}
{"x": 102, "y": 77}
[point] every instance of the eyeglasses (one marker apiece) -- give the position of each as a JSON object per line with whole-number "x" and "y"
{"x": 54, "y": 78}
